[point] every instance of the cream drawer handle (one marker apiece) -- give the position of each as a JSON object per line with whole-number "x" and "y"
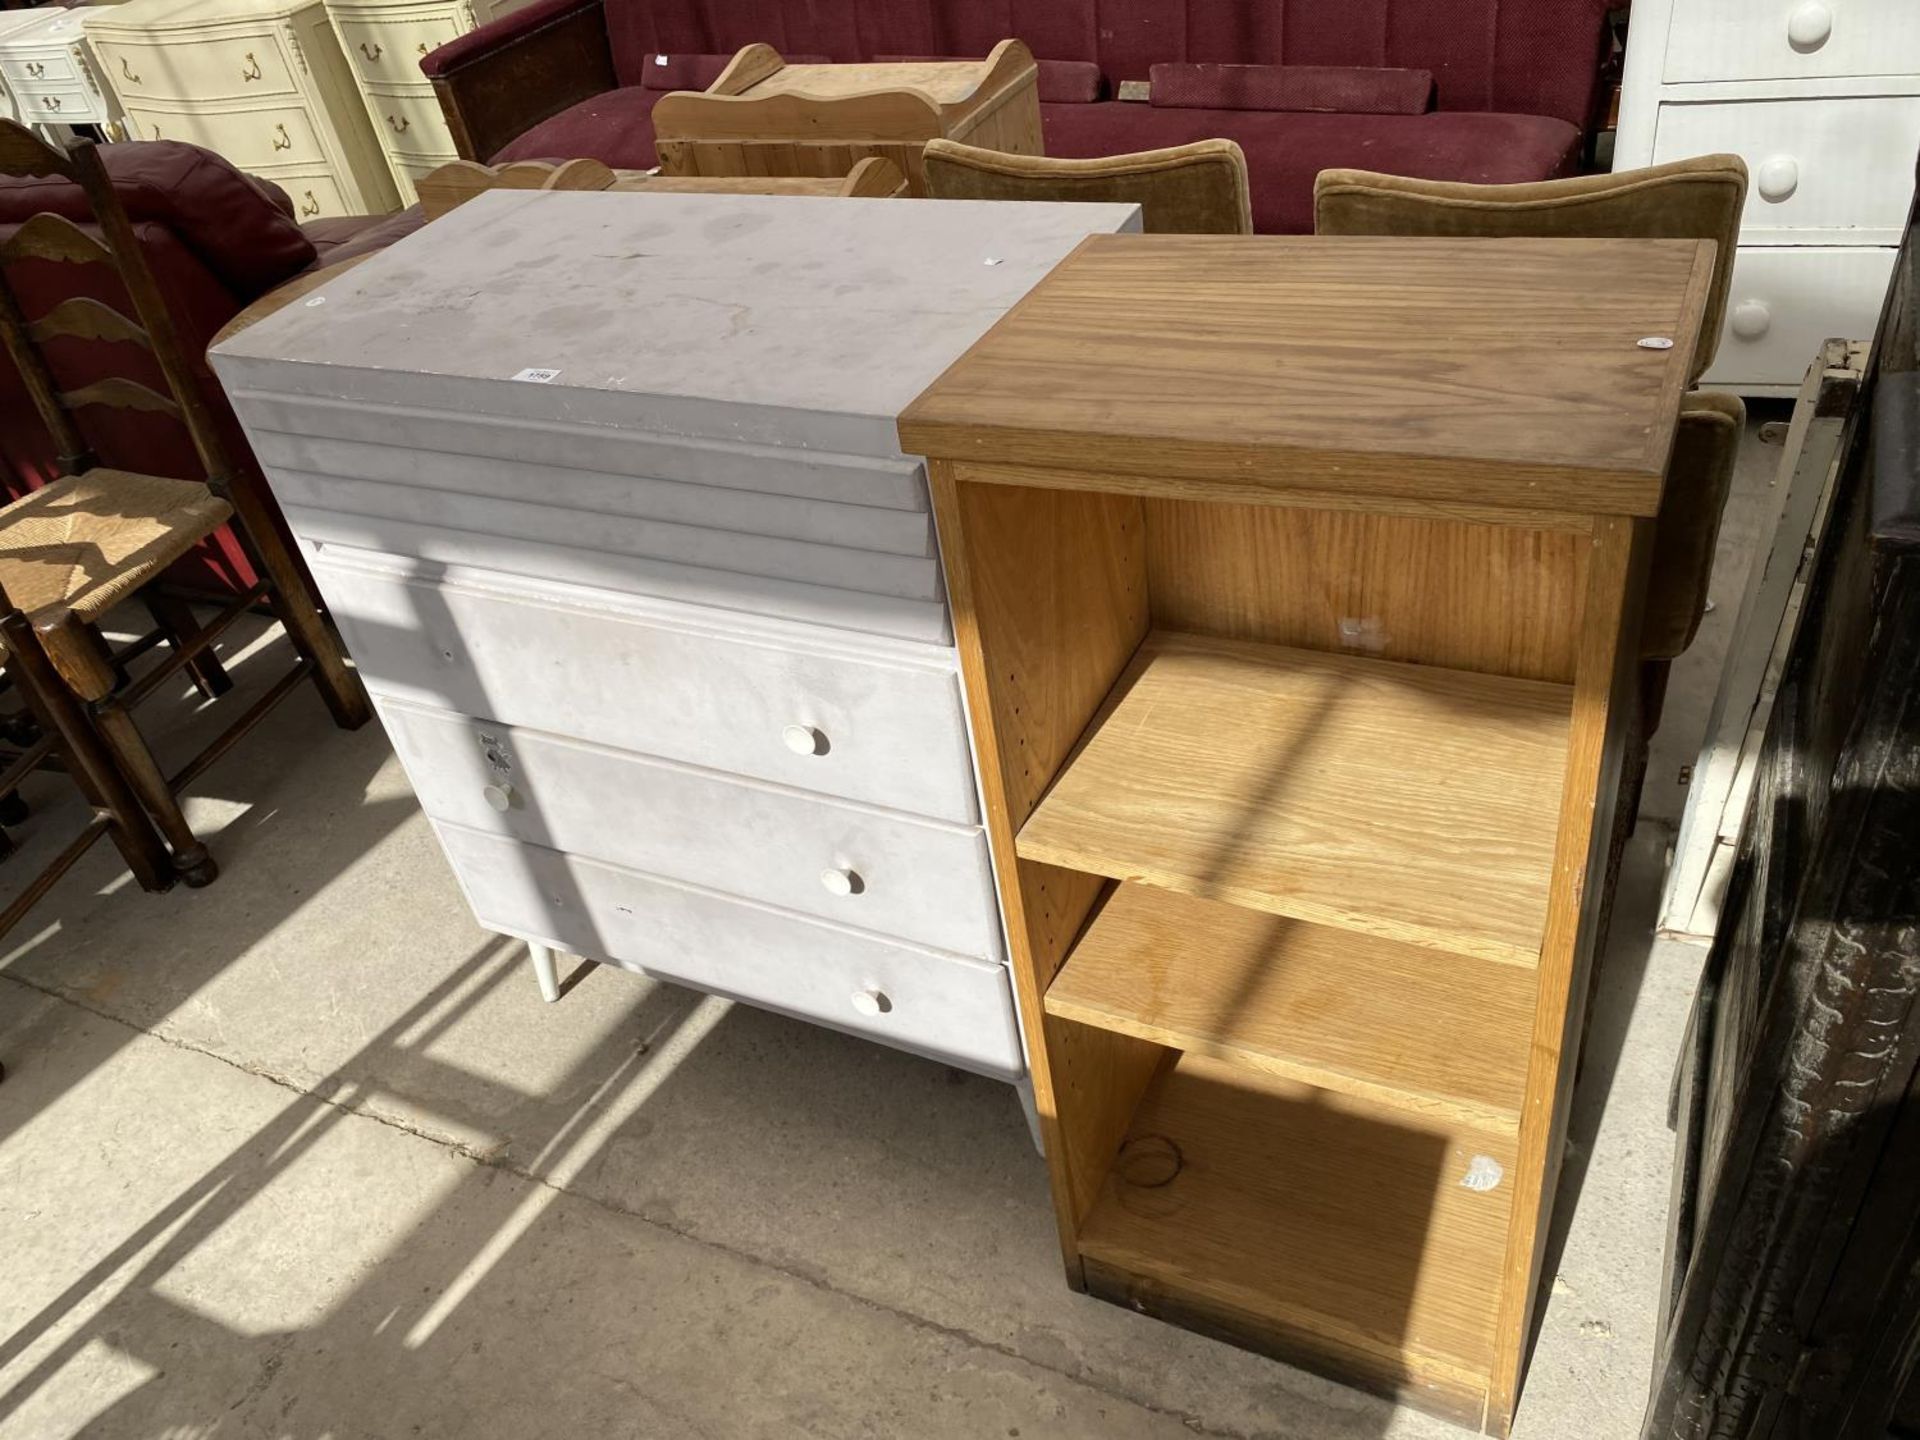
{"x": 1809, "y": 26}
{"x": 283, "y": 141}
{"x": 128, "y": 71}
{"x": 804, "y": 740}
{"x": 872, "y": 1002}
{"x": 400, "y": 126}
{"x": 1778, "y": 178}
{"x": 1751, "y": 320}
{"x": 312, "y": 207}
{"x": 252, "y": 69}
{"x": 375, "y": 53}
{"x": 842, "y": 882}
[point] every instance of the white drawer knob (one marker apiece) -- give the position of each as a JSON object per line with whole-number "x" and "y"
{"x": 872, "y": 1002}
{"x": 500, "y": 797}
{"x": 1809, "y": 26}
{"x": 841, "y": 882}
{"x": 1751, "y": 319}
{"x": 1779, "y": 177}
{"x": 804, "y": 740}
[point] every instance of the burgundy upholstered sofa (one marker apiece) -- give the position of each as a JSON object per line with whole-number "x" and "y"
{"x": 1512, "y": 92}
{"x": 216, "y": 240}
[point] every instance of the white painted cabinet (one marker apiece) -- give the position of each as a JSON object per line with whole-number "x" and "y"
{"x": 1821, "y": 98}
{"x": 604, "y": 493}
{"x": 385, "y": 41}
{"x": 261, "y": 82}
{"x": 46, "y": 65}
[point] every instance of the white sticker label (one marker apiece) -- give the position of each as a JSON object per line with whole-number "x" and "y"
{"x": 1483, "y": 1173}
{"x": 660, "y": 60}
{"x": 538, "y": 376}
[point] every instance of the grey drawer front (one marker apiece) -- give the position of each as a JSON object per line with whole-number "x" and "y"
{"x": 952, "y": 1009}
{"x": 325, "y": 474}
{"x": 920, "y": 880}
{"x": 898, "y": 617}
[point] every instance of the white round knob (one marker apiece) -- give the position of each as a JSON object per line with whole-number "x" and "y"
{"x": 1809, "y": 26}
{"x": 804, "y": 740}
{"x": 1778, "y": 178}
{"x": 839, "y": 882}
{"x": 499, "y": 796}
{"x": 1751, "y": 320}
{"x": 871, "y": 1002}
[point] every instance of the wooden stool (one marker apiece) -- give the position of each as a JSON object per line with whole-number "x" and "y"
{"x": 766, "y": 117}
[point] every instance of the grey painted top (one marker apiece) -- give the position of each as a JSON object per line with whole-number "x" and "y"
{"x": 778, "y": 320}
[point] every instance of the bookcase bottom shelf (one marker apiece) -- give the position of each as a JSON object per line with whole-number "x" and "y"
{"x": 1314, "y": 1226}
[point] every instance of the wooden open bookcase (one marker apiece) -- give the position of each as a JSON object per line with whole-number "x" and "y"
{"x": 1296, "y": 585}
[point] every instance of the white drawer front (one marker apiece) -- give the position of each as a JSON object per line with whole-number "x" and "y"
{"x": 388, "y": 50}
{"x": 1785, "y": 302}
{"x": 223, "y": 65}
{"x": 48, "y": 68}
{"x": 61, "y": 105}
{"x": 1836, "y": 171}
{"x": 922, "y": 881}
{"x": 953, "y": 1009}
{"x": 791, "y": 705}
{"x": 1789, "y": 39}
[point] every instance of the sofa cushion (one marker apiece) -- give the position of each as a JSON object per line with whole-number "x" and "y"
{"x": 233, "y": 224}
{"x": 1285, "y": 151}
{"x": 696, "y": 71}
{"x": 346, "y": 237}
{"x": 1060, "y": 82}
{"x": 1338, "y": 89}
{"x": 615, "y": 127}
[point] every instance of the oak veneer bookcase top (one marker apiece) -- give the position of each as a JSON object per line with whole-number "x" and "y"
{"x": 1292, "y": 580}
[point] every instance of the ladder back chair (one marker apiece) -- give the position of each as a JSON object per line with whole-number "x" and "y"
{"x": 98, "y": 536}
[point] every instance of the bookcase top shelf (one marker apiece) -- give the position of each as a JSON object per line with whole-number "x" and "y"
{"x": 1467, "y": 372}
{"x": 1404, "y": 801}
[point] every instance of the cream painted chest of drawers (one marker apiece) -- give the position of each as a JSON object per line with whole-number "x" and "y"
{"x": 46, "y": 67}
{"x": 1821, "y": 98}
{"x": 385, "y": 40}
{"x": 605, "y": 493}
{"x": 262, "y": 82}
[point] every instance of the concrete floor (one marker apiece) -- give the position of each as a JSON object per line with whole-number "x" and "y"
{"x": 303, "y": 1155}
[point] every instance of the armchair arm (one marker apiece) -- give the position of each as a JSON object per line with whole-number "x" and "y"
{"x": 501, "y": 80}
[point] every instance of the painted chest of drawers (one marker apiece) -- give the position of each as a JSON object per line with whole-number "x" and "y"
{"x": 46, "y": 67}
{"x": 605, "y": 493}
{"x": 262, "y": 82}
{"x": 1821, "y": 98}
{"x": 385, "y": 40}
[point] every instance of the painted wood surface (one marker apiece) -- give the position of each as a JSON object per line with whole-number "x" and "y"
{"x": 944, "y": 1006}
{"x": 674, "y": 681}
{"x": 855, "y": 865}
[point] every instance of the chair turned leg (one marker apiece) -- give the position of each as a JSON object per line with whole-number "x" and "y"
{"x": 191, "y": 857}
{"x": 54, "y": 707}
{"x": 544, "y": 972}
{"x": 175, "y": 619}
